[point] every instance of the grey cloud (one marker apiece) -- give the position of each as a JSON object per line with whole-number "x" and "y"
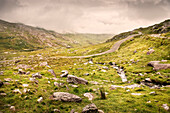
{"x": 95, "y": 16}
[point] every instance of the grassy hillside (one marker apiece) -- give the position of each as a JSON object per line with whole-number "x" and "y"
{"x": 132, "y": 57}
{"x": 88, "y": 39}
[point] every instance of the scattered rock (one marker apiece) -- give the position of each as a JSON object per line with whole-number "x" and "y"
{"x": 40, "y": 99}
{"x": 17, "y": 91}
{"x": 136, "y": 94}
{"x": 57, "y": 110}
{"x": 105, "y": 67}
{"x": 89, "y": 96}
{"x": 52, "y": 72}
{"x": 3, "y": 94}
{"x": 56, "y": 84}
{"x": 94, "y": 82}
{"x": 43, "y": 64}
{"x": 165, "y": 106}
{"x": 28, "y": 72}
{"x": 23, "y": 66}
{"x": 66, "y": 97}
{"x": 72, "y": 111}
{"x": 37, "y": 75}
{"x": 20, "y": 71}
{"x": 148, "y": 80}
{"x": 135, "y": 51}
{"x": 26, "y": 90}
{"x": 86, "y": 74}
{"x": 25, "y": 85}
{"x": 75, "y": 86}
{"x": 128, "y": 86}
{"x": 152, "y": 93}
{"x": 76, "y": 80}
{"x": 150, "y": 51}
{"x": 12, "y": 108}
{"x": 100, "y": 111}
{"x": 103, "y": 70}
{"x": 91, "y": 108}
{"x": 8, "y": 79}
{"x": 65, "y": 73}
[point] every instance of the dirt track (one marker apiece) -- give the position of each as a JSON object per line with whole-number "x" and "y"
{"x": 113, "y": 49}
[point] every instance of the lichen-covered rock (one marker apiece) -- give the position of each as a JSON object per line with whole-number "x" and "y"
{"x": 36, "y": 75}
{"x": 66, "y": 97}
{"x": 76, "y": 80}
{"x": 150, "y": 51}
{"x": 65, "y": 73}
{"x": 91, "y": 108}
{"x": 89, "y": 96}
{"x": 158, "y": 66}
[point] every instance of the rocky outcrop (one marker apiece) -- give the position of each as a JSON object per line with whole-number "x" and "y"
{"x": 65, "y": 73}
{"x": 66, "y": 97}
{"x": 91, "y": 108}
{"x": 158, "y": 66}
{"x": 76, "y": 80}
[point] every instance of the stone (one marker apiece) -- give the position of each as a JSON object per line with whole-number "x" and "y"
{"x": 23, "y": 66}
{"x": 153, "y": 63}
{"x": 148, "y": 80}
{"x": 1, "y": 83}
{"x": 76, "y": 80}
{"x": 94, "y": 82}
{"x": 152, "y": 93}
{"x": 75, "y": 86}
{"x": 66, "y": 97}
{"x": 56, "y": 110}
{"x": 103, "y": 70}
{"x": 138, "y": 94}
{"x": 40, "y": 100}
{"x": 165, "y": 106}
{"x": 8, "y": 79}
{"x": 3, "y": 94}
{"x": 150, "y": 51}
{"x": 86, "y": 74}
{"x": 89, "y": 96}
{"x": 37, "y": 75}
{"x": 28, "y": 72}
{"x": 17, "y": 91}
{"x": 105, "y": 67}
{"x": 20, "y": 71}
{"x": 161, "y": 66}
{"x": 56, "y": 84}
{"x": 91, "y": 108}
{"x": 100, "y": 111}
{"x": 52, "y": 72}
{"x": 26, "y": 90}
{"x": 65, "y": 73}
{"x": 25, "y": 85}
{"x": 43, "y": 64}
{"x": 12, "y": 108}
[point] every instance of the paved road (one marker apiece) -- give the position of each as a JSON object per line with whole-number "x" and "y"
{"x": 113, "y": 49}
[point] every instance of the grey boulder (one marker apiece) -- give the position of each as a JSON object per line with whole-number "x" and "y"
{"x": 66, "y": 97}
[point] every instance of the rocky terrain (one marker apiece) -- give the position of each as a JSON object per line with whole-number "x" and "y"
{"x": 132, "y": 78}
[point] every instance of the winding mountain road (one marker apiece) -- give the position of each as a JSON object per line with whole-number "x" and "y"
{"x": 113, "y": 49}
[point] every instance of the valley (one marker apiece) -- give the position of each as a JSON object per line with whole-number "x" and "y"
{"x": 45, "y": 71}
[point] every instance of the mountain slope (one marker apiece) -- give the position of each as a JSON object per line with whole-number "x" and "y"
{"x": 18, "y": 36}
{"x": 161, "y": 28}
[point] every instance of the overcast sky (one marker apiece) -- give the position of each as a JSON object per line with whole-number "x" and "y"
{"x": 86, "y": 16}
